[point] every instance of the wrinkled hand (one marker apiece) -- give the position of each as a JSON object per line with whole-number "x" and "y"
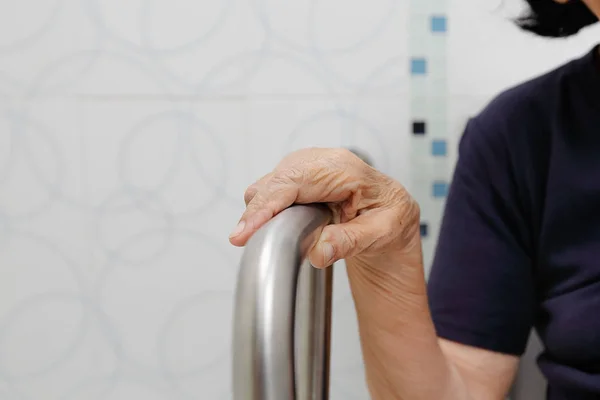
{"x": 373, "y": 213}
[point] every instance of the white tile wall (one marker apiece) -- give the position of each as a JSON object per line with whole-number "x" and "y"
{"x": 128, "y": 133}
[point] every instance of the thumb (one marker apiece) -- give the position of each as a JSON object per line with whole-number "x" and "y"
{"x": 344, "y": 240}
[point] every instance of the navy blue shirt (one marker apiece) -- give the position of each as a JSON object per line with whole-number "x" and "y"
{"x": 519, "y": 246}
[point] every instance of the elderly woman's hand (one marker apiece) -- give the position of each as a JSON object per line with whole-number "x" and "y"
{"x": 373, "y": 213}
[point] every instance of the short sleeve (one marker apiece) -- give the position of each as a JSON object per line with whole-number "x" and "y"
{"x": 481, "y": 285}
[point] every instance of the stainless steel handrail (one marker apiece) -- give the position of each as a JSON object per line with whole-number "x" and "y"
{"x": 282, "y": 316}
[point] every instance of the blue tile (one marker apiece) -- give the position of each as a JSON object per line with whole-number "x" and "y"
{"x": 424, "y": 228}
{"x": 439, "y": 24}
{"x": 439, "y": 148}
{"x": 418, "y": 66}
{"x": 439, "y": 189}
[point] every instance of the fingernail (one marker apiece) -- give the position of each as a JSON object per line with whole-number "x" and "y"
{"x": 327, "y": 250}
{"x": 238, "y": 229}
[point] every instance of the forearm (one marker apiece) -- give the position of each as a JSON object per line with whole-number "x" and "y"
{"x": 403, "y": 359}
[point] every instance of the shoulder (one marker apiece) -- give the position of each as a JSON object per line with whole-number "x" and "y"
{"x": 527, "y": 107}
{"x": 520, "y": 120}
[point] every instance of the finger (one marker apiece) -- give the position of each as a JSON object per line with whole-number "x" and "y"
{"x": 328, "y": 180}
{"x": 250, "y": 193}
{"x": 255, "y": 187}
{"x": 345, "y": 240}
{"x": 265, "y": 204}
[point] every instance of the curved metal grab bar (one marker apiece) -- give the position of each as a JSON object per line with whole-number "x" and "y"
{"x": 282, "y": 316}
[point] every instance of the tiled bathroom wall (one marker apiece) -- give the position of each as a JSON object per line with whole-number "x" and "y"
{"x": 130, "y": 129}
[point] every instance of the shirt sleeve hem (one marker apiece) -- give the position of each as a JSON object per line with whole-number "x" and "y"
{"x": 470, "y": 338}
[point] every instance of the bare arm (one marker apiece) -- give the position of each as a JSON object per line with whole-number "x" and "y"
{"x": 487, "y": 375}
{"x": 404, "y": 359}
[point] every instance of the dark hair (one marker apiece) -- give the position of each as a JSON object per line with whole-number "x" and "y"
{"x": 552, "y": 19}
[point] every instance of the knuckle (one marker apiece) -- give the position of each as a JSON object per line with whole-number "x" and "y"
{"x": 250, "y": 193}
{"x": 344, "y": 152}
{"x": 409, "y": 217}
{"x": 348, "y": 239}
{"x": 406, "y": 212}
{"x": 256, "y": 202}
{"x": 252, "y": 190}
{"x": 342, "y": 155}
{"x": 413, "y": 209}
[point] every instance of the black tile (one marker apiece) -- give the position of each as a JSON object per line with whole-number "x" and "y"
{"x": 419, "y": 127}
{"x": 424, "y": 229}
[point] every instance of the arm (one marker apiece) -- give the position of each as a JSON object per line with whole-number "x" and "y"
{"x": 404, "y": 359}
{"x": 481, "y": 289}
{"x": 481, "y": 294}
{"x": 488, "y": 374}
